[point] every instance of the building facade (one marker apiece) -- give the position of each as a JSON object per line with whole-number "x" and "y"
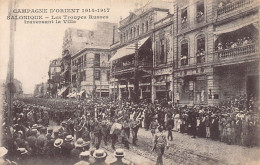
{"x": 217, "y": 51}
{"x": 89, "y": 66}
{"x": 55, "y": 78}
{"x": 132, "y": 60}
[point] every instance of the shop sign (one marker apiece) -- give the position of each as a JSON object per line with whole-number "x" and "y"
{"x": 163, "y": 71}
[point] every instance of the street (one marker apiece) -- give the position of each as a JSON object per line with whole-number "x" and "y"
{"x": 185, "y": 150}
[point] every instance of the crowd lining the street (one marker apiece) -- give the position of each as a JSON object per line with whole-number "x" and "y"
{"x": 85, "y": 123}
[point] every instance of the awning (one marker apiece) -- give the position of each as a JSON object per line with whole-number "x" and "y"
{"x": 234, "y": 27}
{"x": 62, "y": 90}
{"x": 127, "y": 50}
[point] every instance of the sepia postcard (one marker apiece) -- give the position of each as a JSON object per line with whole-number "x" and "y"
{"x": 115, "y": 82}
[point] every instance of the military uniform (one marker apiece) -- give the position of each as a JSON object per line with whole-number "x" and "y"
{"x": 134, "y": 127}
{"x": 153, "y": 127}
{"x": 97, "y": 135}
{"x": 160, "y": 142}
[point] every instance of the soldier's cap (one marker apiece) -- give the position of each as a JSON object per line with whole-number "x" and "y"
{"x": 58, "y": 143}
{"x": 84, "y": 154}
{"x": 99, "y": 154}
{"x": 119, "y": 153}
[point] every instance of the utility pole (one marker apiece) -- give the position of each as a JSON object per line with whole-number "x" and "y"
{"x": 94, "y": 85}
{"x": 10, "y": 75}
{"x": 136, "y": 76}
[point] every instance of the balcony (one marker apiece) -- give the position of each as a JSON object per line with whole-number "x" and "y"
{"x": 200, "y": 18}
{"x": 184, "y": 60}
{"x": 235, "y": 7}
{"x": 130, "y": 66}
{"x": 241, "y": 51}
{"x": 184, "y": 25}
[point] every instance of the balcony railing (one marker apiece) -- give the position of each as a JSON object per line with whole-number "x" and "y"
{"x": 200, "y": 19}
{"x": 184, "y": 24}
{"x": 238, "y": 4}
{"x": 132, "y": 65}
{"x": 238, "y": 51}
{"x": 201, "y": 59}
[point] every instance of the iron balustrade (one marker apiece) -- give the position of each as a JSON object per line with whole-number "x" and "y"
{"x": 200, "y": 19}
{"x": 236, "y": 52}
{"x": 132, "y": 65}
{"x": 238, "y": 4}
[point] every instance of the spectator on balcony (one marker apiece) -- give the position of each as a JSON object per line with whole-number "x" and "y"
{"x": 228, "y": 45}
{"x": 219, "y": 47}
{"x": 220, "y": 4}
{"x": 245, "y": 41}
{"x": 200, "y": 14}
{"x": 184, "y": 60}
{"x": 239, "y": 42}
{"x": 184, "y": 20}
{"x": 233, "y": 45}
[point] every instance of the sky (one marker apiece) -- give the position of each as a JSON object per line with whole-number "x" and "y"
{"x": 36, "y": 45}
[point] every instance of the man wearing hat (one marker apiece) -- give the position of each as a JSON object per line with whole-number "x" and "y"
{"x": 22, "y": 156}
{"x": 68, "y": 145}
{"x": 32, "y": 141}
{"x": 41, "y": 141}
{"x": 84, "y": 156}
{"x": 119, "y": 154}
{"x": 75, "y": 152}
{"x": 100, "y": 157}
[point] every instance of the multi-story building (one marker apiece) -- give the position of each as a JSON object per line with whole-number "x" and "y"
{"x": 55, "y": 79}
{"x": 162, "y": 82}
{"x": 217, "y": 50}
{"x": 89, "y": 66}
{"x": 132, "y": 60}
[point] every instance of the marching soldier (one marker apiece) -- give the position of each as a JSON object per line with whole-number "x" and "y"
{"x": 124, "y": 133}
{"x": 97, "y": 134}
{"x": 154, "y": 124}
{"x": 105, "y": 131}
{"x": 134, "y": 127}
{"x": 160, "y": 142}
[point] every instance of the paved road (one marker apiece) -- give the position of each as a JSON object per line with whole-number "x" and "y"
{"x": 186, "y": 150}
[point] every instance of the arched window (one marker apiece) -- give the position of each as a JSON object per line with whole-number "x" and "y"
{"x": 184, "y": 52}
{"x": 138, "y": 30}
{"x": 200, "y": 52}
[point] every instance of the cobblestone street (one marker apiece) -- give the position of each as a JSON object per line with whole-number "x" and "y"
{"x": 186, "y": 150}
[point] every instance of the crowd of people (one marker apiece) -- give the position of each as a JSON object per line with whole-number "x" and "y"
{"x": 235, "y": 43}
{"x": 86, "y": 123}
